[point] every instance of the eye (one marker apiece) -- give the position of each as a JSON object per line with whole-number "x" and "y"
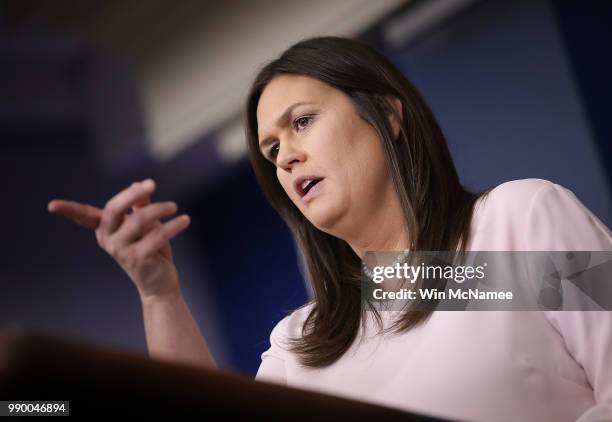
{"x": 274, "y": 150}
{"x": 299, "y": 123}
{"x": 304, "y": 119}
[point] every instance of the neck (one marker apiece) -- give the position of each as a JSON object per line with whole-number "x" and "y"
{"x": 382, "y": 240}
{"x": 388, "y": 234}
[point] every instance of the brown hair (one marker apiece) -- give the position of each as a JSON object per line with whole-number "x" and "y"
{"x": 437, "y": 208}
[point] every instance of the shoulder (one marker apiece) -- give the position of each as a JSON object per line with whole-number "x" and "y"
{"x": 509, "y": 202}
{"x": 290, "y": 326}
{"x": 519, "y": 191}
{"x": 517, "y": 199}
{"x": 551, "y": 216}
{"x": 538, "y": 214}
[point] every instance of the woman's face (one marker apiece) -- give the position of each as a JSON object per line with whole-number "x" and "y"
{"x": 323, "y": 138}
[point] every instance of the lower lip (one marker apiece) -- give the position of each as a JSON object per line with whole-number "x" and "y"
{"x": 312, "y": 192}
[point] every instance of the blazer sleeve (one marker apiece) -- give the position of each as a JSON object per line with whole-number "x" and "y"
{"x": 558, "y": 221}
{"x": 272, "y": 366}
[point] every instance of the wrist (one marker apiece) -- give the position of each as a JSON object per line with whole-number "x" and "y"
{"x": 169, "y": 295}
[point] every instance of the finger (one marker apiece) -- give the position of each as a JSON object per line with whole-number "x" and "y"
{"x": 116, "y": 208}
{"x": 157, "y": 238}
{"x": 139, "y": 223}
{"x": 142, "y": 203}
{"x": 83, "y": 214}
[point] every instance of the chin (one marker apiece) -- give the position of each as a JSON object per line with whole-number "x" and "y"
{"x": 323, "y": 219}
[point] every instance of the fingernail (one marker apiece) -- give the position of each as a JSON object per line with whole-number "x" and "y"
{"x": 148, "y": 183}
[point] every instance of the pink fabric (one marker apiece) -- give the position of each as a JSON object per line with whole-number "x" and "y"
{"x": 483, "y": 366}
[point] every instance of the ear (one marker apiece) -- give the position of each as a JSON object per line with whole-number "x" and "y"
{"x": 394, "y": 102}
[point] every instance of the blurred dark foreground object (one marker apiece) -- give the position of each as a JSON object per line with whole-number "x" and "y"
{"x": 100, "y": 380}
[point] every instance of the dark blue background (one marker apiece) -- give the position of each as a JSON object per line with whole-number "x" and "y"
{"x": 521, "y": 89}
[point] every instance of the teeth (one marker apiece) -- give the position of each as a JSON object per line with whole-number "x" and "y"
{"x": 306, "y": 182}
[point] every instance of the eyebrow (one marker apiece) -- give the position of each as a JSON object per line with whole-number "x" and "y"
{"x": 279, "y": 122}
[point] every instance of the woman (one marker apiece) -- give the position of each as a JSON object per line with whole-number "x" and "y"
{"x": 352, "y": 159}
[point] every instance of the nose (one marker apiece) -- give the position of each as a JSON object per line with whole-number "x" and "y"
{"x": 288, "y": 155}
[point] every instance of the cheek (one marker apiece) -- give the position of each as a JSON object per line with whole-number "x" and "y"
{"x": 284, "y": 182}
{"x": 361, "y": 150}
{"x": 366, "y": 169}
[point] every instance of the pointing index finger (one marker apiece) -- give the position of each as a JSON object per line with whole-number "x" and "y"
{"x": 82, "y": 214}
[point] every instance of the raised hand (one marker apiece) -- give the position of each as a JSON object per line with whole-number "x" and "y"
{"x": 137, "y": 240}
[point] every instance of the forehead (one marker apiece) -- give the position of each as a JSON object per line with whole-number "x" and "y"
{"x": 285, "y": 90}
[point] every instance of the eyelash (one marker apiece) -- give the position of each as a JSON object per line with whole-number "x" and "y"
{"x": 311, "y": 117}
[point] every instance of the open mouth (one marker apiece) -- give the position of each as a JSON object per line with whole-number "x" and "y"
{"x": 307, "y": 184}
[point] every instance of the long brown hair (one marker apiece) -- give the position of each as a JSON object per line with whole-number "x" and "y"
{"x": 437, "y": 209}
